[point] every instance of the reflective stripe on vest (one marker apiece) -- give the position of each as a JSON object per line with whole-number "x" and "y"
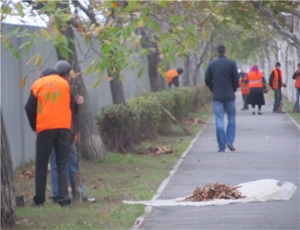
{"x": 255, "y": 79}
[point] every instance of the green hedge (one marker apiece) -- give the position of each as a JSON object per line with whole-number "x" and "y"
{"x": 141, "y": 118}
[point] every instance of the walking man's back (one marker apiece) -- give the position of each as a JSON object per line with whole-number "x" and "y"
{"x": 222, "y": 79}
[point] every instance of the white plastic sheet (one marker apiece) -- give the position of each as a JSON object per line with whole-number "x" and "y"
{"x": 254, "y": 191}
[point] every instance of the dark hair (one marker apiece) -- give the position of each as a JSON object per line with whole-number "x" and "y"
{"x": 179, "y": 70}
{"x": 277, "y": 64}
{"x": 298, "y": 63}
{"x": 221, "y": 49}
{"x": 47, "y": 72}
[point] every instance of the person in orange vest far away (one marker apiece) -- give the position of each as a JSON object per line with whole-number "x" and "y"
{"x": 243, "y": 82}
{"x": 257, "y": 83}
{"x": 172, "y": 76}
{"x": 296, "y": 77}
{"x": 276, "y": 83}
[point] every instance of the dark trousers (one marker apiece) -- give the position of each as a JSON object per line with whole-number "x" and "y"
{"x": 245, "y": 99}
{"x": 59, "y": 139}
{"x": 277, "y": 99}
{"x": 175, "y": 81}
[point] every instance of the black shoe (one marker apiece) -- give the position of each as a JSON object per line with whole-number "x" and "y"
{"x": 221, "y": 151}
{"x": 259, "y": 113}
{"x": 230, "y": 146}
{"x": 253, "y": 113}
{"x": 65, "y": 202}
{"x": 55, "y": 199}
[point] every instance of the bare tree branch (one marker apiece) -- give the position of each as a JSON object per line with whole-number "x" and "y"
{"x": 90, "y": 15}
{"x": 294, "y": 40}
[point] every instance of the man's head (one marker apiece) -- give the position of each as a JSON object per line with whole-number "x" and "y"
{"x": 179, "y": 70}
{"x": 277, "y": 65}
{"x": 63, "y": 68}
{"x": 299, "y": 65}
{"x": 221, "y": 49}
{"x": 47, "y": 72}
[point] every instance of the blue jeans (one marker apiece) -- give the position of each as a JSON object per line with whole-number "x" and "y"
{"x": 73, "y": 169}
{"x": 277, "y": 99}
{"x": 220, "y": 107}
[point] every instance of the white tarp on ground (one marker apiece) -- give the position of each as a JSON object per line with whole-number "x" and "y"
{"x": 254, "y": 191}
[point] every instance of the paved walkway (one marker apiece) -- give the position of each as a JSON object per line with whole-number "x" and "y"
{"x": 267, "y": 148}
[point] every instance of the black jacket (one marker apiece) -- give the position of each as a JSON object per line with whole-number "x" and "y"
{"x": 222, "y": 78}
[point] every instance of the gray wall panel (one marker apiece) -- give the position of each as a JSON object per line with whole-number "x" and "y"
{"x": 13, "y": 98}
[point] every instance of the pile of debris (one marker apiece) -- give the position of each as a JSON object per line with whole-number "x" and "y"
{"x": 159, "y": 150}
{"x": 216, "y": 191}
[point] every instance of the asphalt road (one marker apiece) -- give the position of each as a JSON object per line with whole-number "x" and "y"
{"x": 267, "y": 147}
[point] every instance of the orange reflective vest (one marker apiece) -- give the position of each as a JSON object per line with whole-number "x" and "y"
{"x": 243, "y": 85}
{"x": 276, "y": 78}
{"x": 53, "y": 103}
{"x": 255, "y": 79}
{"x": 297, "y": 81}
{"x": 171, "y": 74}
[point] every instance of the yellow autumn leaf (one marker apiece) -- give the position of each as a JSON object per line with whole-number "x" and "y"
{"x": 107, "y": 41}
{"x": 74, "y": 74}
{"x": 23, "y": 81}
{"x": 60, "y": 37}
{"x": 115, "y": 5}
{"x": 51, "y": 21}
{"x": 98, "y": 30}
{"x": 38, "y": 60}
{"x": 140, "y": 23}
{"x": 111, "y": 20}
{"x": 80, "y": 26}
{"x": 108, "y": 13}
{"x": 39, "y": 107}
{"x": 92, "y": 27}
{"x": 87, "y": 36}
{"x": 46, "y": 33}
{"x": 104, "y": 215}
{"x": 108, "y": 78}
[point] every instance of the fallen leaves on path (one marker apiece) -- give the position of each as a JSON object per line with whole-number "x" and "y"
{"x": 215, "y": 191}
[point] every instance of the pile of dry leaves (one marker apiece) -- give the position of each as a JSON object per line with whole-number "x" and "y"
{"x": 159, "y": 150}
{"x": 215, "y": 191}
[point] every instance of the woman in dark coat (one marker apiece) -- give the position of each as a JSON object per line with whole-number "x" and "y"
{"x": 257, "y": 84}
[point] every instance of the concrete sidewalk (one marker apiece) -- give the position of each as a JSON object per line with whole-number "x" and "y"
{"x": 267, "y": 147}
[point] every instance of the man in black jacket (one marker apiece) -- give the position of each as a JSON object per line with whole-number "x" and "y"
{"x": 222, "y": 79}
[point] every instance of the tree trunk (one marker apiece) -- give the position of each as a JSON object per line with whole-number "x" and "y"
{"x": 91, "y": 145}
{"x": 8, "y": 202}
{"x": 186, "y": 74}
{"x": 196, "y": 74}
{"x": 157, "y": 82}
{"x": 116, "y": 88}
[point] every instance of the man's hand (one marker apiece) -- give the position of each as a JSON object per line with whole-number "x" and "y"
{"x": 284, "y": 85}
{"x": 79, "y": 99}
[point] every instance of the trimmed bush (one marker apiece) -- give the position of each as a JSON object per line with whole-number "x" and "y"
{"x": 141, "y": 118}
